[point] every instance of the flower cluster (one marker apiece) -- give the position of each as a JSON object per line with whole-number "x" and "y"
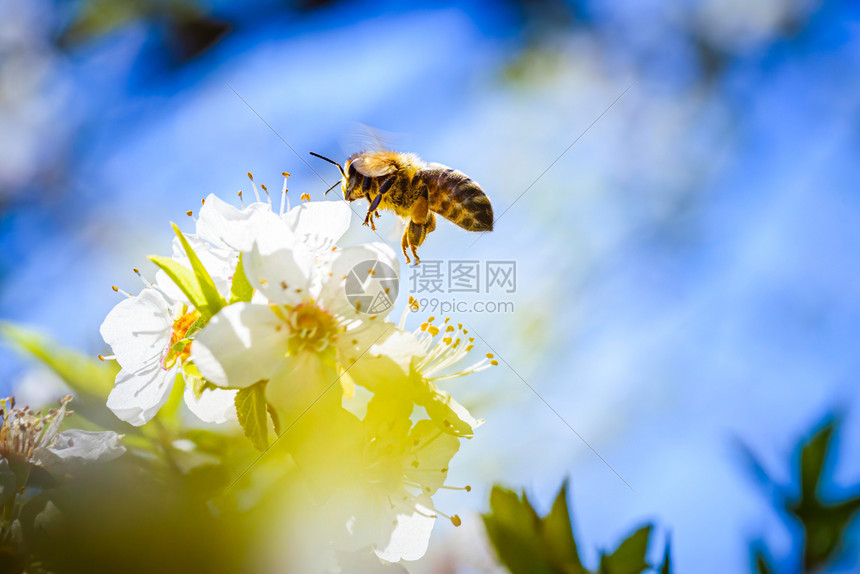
{"x": 252, "y": 314}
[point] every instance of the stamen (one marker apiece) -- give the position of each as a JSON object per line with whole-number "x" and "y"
{"x": 107, "y": 357}
{"x": 284, "y": 198}
{"x": 120, "y": 291}
{"x": 141, "y": 277}
{"x": 189, "y": 213}
{"x": 241, "y": 199}
{"x": 467, "y": 488}
{"x": 254, "y": 185}
{"x": 268, "y": 197}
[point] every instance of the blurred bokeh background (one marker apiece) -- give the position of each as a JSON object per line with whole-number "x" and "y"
{"x": 686, "y": 273}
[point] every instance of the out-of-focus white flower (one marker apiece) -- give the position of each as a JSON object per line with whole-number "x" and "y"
{"x": 31, "y": 437}
{"x": 388, "y": 503}
{"x": 74, "y": 447}
{"x": 148, "y": 335}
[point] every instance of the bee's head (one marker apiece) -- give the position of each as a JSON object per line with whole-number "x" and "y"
{"x": 344, "y": 180}
{"x": 349, "y": 184}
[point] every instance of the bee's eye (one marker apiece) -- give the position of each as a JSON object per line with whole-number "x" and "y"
{"x": 351, "y": 171}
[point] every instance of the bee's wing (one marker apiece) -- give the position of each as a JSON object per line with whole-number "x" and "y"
{"x": 375, "y": 164}
{"x": 362, "y": 137}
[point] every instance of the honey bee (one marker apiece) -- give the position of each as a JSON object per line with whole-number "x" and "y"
{"x": 414, "y": 190}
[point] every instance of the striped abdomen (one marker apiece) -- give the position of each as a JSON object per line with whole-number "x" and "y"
{"x": 457, "y": 198}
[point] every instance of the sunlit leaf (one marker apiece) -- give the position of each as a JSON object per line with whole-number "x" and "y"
{"x": 81, "y": 373}
{"x": 183, "y": 277}
{"x": 251, "y": 408}
{"x": 214, "y": 300}
{"x": 240, "y": 288}
{"x": 90, "y": 379}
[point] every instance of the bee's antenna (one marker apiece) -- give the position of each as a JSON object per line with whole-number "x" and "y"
{"x": 331, "y": 161}
{"x": 331, "y": 188}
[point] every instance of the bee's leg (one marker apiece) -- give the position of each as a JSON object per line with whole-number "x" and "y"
{"x": 421, "y": 218}
{"x": 368, "y": 219}
{"x": 415, "y": 236}
{"x": 431, "y": 223}
{"x": 404, "y": 243}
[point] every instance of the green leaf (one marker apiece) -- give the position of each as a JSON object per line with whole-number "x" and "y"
{"x": 214, "y": 300}
{"x": 667, "y": 557}
{"x": 81, "y": 373}
{"x": 276, "y": 419}
{"x": 240, "y": 289}
{"x": 513, "y": 528}
{"x": 762, "y": 565}
{"x": 812, "y": 458}
{"x": 251, "y": 409}
{"x": 195, "y": 327}
{"x": 558, "y": 539}
{"x": 183, "y": 277}
{"x": 195, "y": 283}
{"x": 629, "y": 557}
{"x": 91, "y": 380}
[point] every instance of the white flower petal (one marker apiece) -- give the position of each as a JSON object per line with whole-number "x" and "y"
{"x": 383, "y": 361}
{"x": 370, "y": 273}
{"x": 140, "y": 392}
{"x": 213, "y": 406}
{"x": 411, "y": 534}
{"x": 80, "y": 446}
{"x": 242, "y": 344}
{"x": 319, "y": 225}
{"x": 282, "y": 276}
{"x": 355, "y": 518}
{"x": 225, "y": 225}
{"x": 300, "y": 381}
{"x": 138, "y": 328}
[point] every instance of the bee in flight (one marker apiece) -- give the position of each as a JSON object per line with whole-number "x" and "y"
{"x": 415, "y": 191}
